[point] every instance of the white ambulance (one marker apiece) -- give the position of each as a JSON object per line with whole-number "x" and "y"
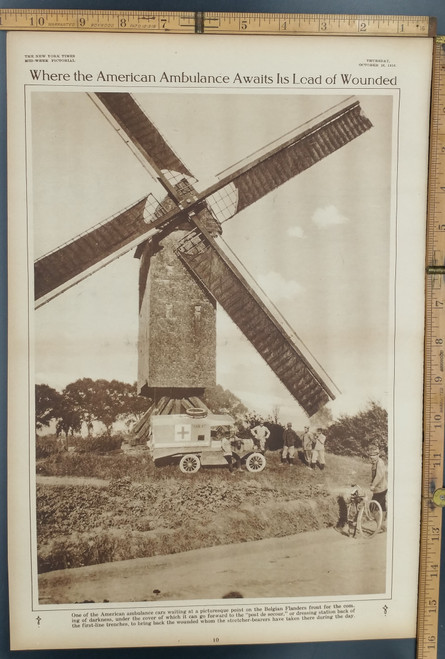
{"x": 194, "y": 439}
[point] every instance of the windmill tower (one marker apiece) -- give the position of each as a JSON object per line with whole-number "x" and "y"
{"x": 184, "y": 271}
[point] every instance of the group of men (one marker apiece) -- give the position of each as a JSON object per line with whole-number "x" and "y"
{"x": 312, "y": 443}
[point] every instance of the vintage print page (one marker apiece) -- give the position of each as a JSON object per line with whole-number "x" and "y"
{"x": 216, "y": 257}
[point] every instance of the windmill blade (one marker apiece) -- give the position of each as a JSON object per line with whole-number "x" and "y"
{"x": 78, "y": 258}
{"x": 253, "y": 180}
{"x": 212, "y": 267}
{"x": 145, "y": 140}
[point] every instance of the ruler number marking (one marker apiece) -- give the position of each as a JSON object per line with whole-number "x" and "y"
{"x": 40, "y": 21}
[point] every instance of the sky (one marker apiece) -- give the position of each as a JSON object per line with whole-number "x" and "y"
{"x": 319, "y": 246}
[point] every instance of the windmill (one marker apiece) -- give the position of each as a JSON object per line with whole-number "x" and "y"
{"x": 184, "y": 271}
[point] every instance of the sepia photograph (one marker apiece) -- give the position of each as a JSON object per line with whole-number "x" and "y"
{"x": 202, "y": 263}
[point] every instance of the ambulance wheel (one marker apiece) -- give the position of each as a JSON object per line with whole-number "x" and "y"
{"x": 189, "y": 464}
{"x": 255, "y": 462}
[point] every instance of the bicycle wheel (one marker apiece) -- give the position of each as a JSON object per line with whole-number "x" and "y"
{"x": 370, "y": 519}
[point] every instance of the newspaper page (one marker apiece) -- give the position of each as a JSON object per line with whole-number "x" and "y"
{"x": 216, "y": 258}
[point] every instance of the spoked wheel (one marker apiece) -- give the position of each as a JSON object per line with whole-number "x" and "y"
{"x": 255, "y": 462}
{"x": 369, "y": 519}
{"x": 189, "y": 464}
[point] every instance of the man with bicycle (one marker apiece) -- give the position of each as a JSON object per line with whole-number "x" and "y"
{"x": 379, "y": 478}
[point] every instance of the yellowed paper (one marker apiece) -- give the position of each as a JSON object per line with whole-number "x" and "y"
{"x": 337, "y": 250}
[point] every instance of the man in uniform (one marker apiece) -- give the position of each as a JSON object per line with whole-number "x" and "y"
{"x": 260, "y": 436}
{"x": 307, "y": 445}
{"x": 318, "y": 450}
{"x": 290, "y": 440}
{"x": 230, "y": 446}
{"x": 379, "y": 479}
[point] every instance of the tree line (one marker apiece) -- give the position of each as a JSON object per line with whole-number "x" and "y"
{"x": 86, "y": 401}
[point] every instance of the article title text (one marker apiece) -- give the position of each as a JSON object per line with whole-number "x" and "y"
{"x": 182, "y": 78}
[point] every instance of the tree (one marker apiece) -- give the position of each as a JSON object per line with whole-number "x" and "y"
{"x": 352, "y": 435}
{"x": 79, "y": 401}
{"x": 47, "y": 405}
{"x": 323, "y": 418}
{"x": 222, "y": 401}
{"x": 116, "y": 400}
{"x": 104, "y": 401}
{"x": 69, "y": 418}
{"x": 52, "y": 405}
{"x": 276, "y": 413}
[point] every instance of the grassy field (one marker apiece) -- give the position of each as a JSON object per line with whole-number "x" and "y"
{"x": 100, "y": 508}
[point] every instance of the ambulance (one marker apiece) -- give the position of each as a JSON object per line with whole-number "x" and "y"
{"x": 193, "y": 440}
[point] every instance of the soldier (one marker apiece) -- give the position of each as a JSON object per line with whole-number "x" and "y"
{"x": 290, "y": 439}
{"x": 318, "y": 450}
{"x": 260, "y": 436}
{"x": 308, "y": 445}
{"x": 230, "y": 442}
{"x": 379, "y": 479}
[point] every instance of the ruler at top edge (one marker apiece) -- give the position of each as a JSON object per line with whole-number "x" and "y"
{"x": 434, "y": 388}
{"x": 78, "y": 20}
{"x": 314, "y": 24}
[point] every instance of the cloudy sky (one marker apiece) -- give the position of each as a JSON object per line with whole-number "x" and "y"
{"x": 319, "y": 246}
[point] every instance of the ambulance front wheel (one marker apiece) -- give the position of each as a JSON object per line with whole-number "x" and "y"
{"x": 189, "y": 464}
{"x": 255, "y": 462}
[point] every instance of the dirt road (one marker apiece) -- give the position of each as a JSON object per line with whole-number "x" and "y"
{"x": 318, "y": 563}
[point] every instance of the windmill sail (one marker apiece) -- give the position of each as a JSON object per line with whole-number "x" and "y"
{"x": 73, "y": 259}
{"x": 144, "y": 138}
{"x": 204, "y": 258}
{"x": 291, "y": 157}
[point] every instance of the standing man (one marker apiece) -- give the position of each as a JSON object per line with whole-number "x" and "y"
{"x": 318, "y": 450}
{"x": 379, "y": 479}
{"x": 290, "y": 439}
{"x": 308, "y": 445}
{"x": 260, "y": 436}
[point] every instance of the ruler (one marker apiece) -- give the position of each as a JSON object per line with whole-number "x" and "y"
{"x": 78, "y": 20}
{"x": 433, "y": 494}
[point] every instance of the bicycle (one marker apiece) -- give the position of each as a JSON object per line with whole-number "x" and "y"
{"x": 364, "y": 516}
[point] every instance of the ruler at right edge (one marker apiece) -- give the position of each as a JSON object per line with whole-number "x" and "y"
{"x": 434, "y": 386}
